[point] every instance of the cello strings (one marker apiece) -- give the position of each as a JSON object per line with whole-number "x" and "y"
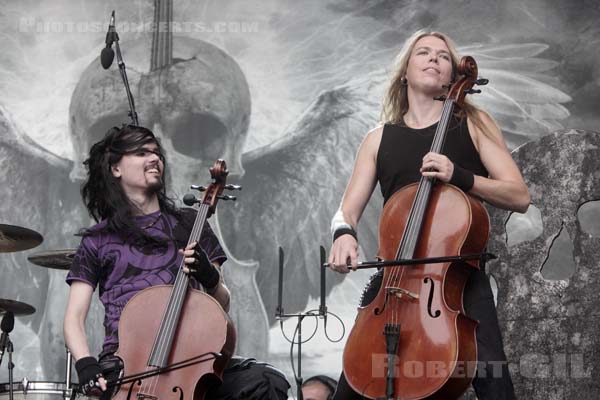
{"x": 395, "y": 277}
{"x": 183, "y": 280}
{"x": 170, "y": 319}
{"x": 410, "y": 237}
{"x": 160, "y": 345}
{"x": 421, "y": 199}
{"x": 176, "y": 299}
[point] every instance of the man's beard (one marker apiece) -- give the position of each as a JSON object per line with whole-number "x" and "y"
{"x": 155, "y": 187}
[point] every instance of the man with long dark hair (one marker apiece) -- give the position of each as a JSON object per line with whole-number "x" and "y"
{"x": 139, "y": 242}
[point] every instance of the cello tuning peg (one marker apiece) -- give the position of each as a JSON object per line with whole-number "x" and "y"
{"x": 226, "y": 197}
{"x": 447, "y": 87}
{"x": 233, "y": 187}
{"x": 440, "y": 98}
{"x": 471, "y": 91}
{"x": 198, "y": 188}
{"x": 481, "y": 81}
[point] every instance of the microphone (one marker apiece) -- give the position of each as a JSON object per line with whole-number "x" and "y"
{"x": 7, "y": 325}
{"x": 108, "y": 55}
{"x": 189, "y": 199}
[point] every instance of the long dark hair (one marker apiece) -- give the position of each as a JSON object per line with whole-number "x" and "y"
{"x": 103, "y": 194}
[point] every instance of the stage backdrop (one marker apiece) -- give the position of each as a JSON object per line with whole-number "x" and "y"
{"x": 285, "y": 91}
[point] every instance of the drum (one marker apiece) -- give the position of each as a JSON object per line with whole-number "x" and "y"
{"x": 36, "y": 391}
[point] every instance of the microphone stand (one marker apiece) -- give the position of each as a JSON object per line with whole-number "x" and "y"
{"x": 132, "y": 113}
{"x": 8, "y": 348}
{"x": 280, "y": 314}
{"x": 11, "y": 366}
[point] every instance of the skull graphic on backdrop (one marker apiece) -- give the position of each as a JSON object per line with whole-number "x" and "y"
{"x": 199, "y": 105}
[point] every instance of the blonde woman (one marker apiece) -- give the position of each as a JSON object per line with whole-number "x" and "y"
{"x": 397, "y": 153}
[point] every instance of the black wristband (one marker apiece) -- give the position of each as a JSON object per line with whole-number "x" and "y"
{"x": 462, "y": 178}
{"x": 88, "y": 371}
{"x": 203, "y": 271}
{"x": 344, "y": 231}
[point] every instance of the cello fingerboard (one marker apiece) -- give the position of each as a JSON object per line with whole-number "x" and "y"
{"x": 406, "y": 249}
{"x": 164, "y": 339}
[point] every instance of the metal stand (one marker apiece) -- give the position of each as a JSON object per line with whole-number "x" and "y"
{"x": 132, "y": 113}
{"x": 299, "y": 379}
{"x": 11, "y": 366}
{"x": 280, "y": 315}
{"x": 113, "y": 37}
{"x": 68, "y": 368}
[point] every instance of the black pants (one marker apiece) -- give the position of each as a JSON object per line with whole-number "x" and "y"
{"x": 243, "y": 379}
{"x": 247, "y": 379}
{"x": 492, "y": 381}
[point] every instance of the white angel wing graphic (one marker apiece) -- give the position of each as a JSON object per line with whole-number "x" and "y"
{"x": 524, "y": 105}
{"x": 292, "y": 188}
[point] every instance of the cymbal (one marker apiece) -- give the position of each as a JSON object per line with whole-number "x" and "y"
{"x": 16, "y": 238}
{"x": 55, "y": 259}
{"x": 16, "y": 307}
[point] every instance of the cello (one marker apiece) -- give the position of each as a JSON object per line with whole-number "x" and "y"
{"x": 414, "y": 341}
{"x": 177, "y": 339}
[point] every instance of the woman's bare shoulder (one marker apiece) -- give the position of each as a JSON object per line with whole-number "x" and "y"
{"x": 375, "y": 134}
{"x": 372, "y": 139}
{"x": 492, "y": 134}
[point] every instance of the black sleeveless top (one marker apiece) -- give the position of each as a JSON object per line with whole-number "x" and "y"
{"x": 402, "y": 149}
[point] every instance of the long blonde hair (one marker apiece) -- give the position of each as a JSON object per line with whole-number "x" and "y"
{"x": 395, "y": 101}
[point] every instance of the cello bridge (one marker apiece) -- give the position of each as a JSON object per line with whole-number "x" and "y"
{"x": 399, "y": 292}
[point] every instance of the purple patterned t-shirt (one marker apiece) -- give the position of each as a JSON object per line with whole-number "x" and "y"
{"x": 121, "y": 267}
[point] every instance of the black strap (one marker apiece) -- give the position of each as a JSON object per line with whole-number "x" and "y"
{"x": 344, "y": 231}
{"x": 462, "y": 178}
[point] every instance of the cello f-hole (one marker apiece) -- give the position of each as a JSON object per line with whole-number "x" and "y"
{"x": 437, "y": 313}
{"x": 377, "y": 310}
{"x": 180, "y": 390}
